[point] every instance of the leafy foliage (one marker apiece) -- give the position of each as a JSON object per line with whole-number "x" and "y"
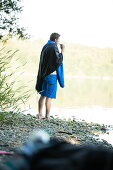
{"x": 9, "y": 10}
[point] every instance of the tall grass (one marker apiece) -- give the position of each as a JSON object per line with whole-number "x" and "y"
{"x": 10, "y": 98}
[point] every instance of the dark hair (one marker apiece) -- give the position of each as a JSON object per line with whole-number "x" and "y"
{"x": 54, "y": 36}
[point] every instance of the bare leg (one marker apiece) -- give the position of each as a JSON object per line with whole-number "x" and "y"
{"x": 48, "y": 107}
{"x": 40, "y": 106}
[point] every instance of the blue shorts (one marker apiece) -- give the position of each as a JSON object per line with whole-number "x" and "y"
{"x": 49, "y": 86}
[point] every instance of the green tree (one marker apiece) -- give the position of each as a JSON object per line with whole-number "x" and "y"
{"x": 9, "y": 10}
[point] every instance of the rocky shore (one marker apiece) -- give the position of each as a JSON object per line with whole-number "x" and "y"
{"x": 15, "y": 131}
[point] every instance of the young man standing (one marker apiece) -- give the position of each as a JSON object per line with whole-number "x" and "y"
{"x": 50, "y": 61}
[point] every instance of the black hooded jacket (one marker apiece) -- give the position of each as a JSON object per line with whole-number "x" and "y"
{"x": 50, "y": 60}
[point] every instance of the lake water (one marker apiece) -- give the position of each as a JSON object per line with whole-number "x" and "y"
{"x": 83, "y": 98}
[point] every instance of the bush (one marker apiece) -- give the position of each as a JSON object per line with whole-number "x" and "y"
{"x": 10, "y": 98}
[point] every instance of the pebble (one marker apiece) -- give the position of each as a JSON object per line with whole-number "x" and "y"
{"x": 14, "y": 131}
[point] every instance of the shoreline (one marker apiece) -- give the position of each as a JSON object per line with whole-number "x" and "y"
{"x": 15, "y": 131}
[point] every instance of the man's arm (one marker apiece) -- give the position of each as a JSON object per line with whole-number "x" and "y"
{"x": 59, "y": 56}
{"x": 62, "y": 48}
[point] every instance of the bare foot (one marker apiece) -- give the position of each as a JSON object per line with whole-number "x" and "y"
{"x": 39, "y": 116}
{"x": 47, "y": 117}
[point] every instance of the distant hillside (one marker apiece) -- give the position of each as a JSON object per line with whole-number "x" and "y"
{"x": 78, "y": 59}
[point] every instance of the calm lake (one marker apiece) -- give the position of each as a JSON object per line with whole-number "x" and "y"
{"x": 85, "y": 98}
